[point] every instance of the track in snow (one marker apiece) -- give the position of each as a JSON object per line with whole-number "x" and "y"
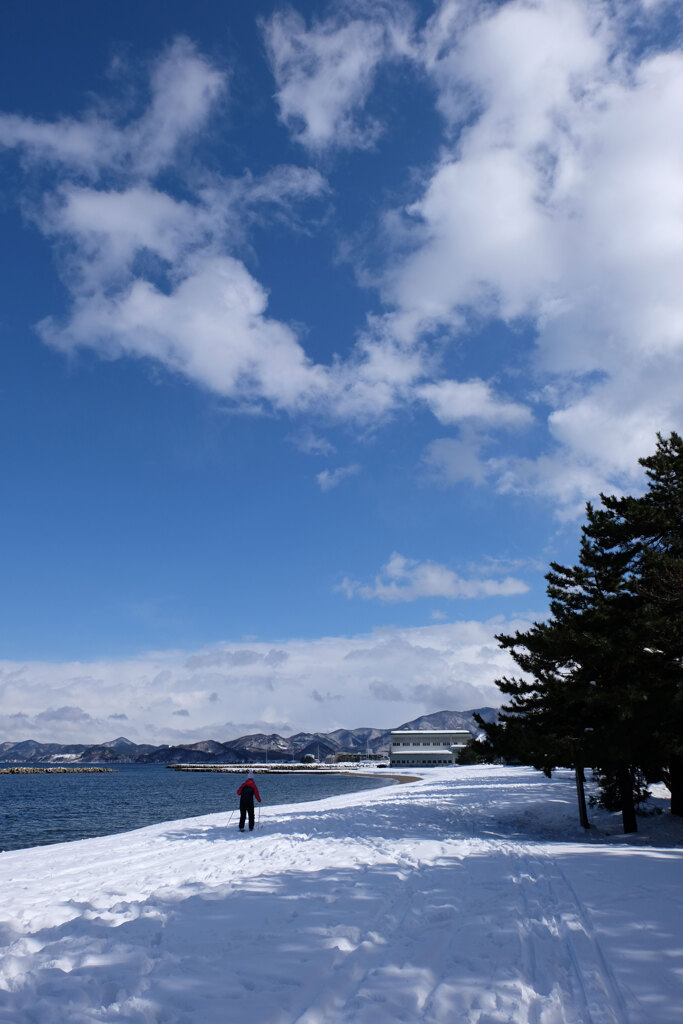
{"x": 419, "y": 905}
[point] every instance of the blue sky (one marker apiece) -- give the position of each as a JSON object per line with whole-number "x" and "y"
{"x": 319, "y": 325}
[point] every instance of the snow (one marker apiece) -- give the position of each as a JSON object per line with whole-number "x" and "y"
{"x": 470, "y": 897}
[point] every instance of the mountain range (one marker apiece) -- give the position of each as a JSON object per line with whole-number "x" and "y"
{"x": 245, "y": 749}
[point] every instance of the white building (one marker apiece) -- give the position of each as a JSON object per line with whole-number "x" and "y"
{"x": 418, "y": 748}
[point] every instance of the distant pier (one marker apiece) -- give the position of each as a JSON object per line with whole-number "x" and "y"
{"x": 340, "y": 768}
{"x": 271, "y": 769}
{"x": 53, "y": 770}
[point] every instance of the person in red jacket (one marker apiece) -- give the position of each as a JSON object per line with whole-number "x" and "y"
{"x": 247, "y": 791}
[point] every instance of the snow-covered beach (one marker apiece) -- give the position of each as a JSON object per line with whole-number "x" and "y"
{"x": 469, "y": 896}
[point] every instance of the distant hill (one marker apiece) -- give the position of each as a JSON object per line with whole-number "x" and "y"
{"x": 254, "y": 747}
{"x": 31, "y": 750}
{"x": 453, "y": 720}
{"x": 124, "y": 746}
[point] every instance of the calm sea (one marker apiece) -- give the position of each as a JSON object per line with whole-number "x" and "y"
{"x": 47, "y": 808}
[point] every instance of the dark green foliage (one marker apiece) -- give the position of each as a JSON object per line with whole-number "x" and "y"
{"x": 603, "y": 681}
{"x": 610, "y": 796}
{"x": 476, "y": 752}
{"x": 652, "y": 526}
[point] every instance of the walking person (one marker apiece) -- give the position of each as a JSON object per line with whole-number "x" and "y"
{"x": 247, "y": 791}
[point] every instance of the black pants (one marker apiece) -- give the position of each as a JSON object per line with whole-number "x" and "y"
{"x": 243, "y": 813}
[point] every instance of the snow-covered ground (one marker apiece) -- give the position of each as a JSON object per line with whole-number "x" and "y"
{"x": 469, "y": 897}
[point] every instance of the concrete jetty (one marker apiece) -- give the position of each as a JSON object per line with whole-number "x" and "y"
{"x": 52, "y": 770}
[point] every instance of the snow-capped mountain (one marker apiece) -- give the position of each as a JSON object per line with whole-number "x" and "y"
{"x": 253, "y": 747}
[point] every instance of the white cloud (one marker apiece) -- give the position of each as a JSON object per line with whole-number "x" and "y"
{"x": 329, "y": 479}
{"x": 378, "y": 679}
{"x": 200, "y": 312}
{"x": 65, "y": 715}
{"x": 154, "y": 277}
{"x": 453, "y": 401}
{"x": 404, "y": 579}
{"x": 454, "y": 461}
{"x": 211, "y": 327}
{"x": 184, "y": 90}
{"x": 483, "y": 242}
{"x": 281, "y": 185}
{"x": 311, "y": 444}
{"x": 325, "y": 73}
{"x": 380, "y": 375}
{"x": 562, "y": 478}
{"x": 183, "y": 87}
{"x": 559, "y": 200}
{"x": 151, "y": 276}
{"x": 109, "y": 230}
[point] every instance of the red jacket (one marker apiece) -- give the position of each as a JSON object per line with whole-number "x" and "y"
{"x": 247, "y": 796}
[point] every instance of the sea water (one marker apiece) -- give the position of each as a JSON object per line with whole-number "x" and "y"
{"x": 59, "y": 807}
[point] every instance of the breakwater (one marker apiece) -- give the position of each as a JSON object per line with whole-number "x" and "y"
{"x": 53, "y": 770}
{"x": 342, "y": 767}
{"x": 276, "y": 769}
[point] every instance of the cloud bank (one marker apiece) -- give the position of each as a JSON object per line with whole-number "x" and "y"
{"x": 378, "y": 679}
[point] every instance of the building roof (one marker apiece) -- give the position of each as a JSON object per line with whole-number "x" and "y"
{"x": 427, "y": 732}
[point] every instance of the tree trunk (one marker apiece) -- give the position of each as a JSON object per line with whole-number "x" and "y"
{"x": 676, "y": 784}
{"x": 628, "y": 810}
{"x": 583, "y": 813}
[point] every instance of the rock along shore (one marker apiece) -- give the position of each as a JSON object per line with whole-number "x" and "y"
{"x": 59, "y": 769}
{"x": 274, "y": 769}
{"x": 301, "y": 769}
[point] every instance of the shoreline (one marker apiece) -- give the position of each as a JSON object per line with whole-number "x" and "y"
{"x": 294, "y": 770}
{"x": 155, "y": 796}
{"x": 54, "y": 770}
{"x": 399, "y": 778}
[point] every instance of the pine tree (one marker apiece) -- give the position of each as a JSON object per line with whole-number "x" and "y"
{"x": 542, "y": 723}
{"x": 573, "y": 711}
{"x": 604, "y": 682}
{"x": 650, "y": 527}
